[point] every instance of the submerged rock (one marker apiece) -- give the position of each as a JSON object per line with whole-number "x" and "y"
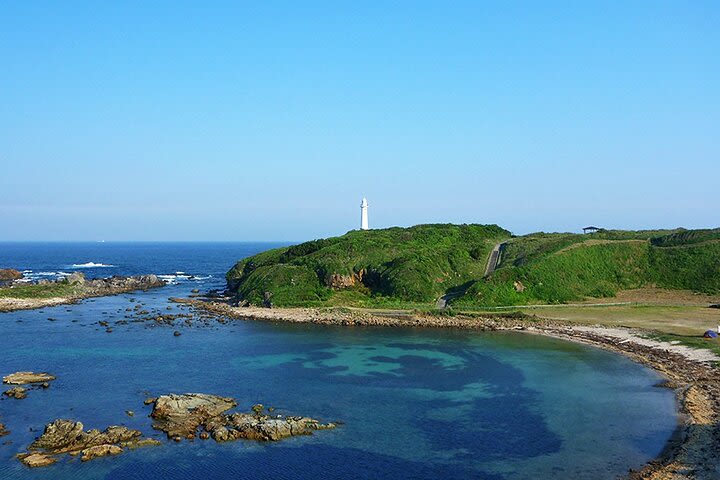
{"x": 68, "y": 436}
{"x": 23, "y": 378}
{"x": 181, "y": 415}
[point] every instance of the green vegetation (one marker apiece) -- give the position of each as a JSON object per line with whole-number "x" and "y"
{"x": 413, "y": 267}
{"x": 55, "y": 289}
{"x": 686, "y": 237}
{"x": 560, "y": 268}
{"x": 390, "y": 267}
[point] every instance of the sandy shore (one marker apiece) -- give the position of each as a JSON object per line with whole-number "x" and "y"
{"x": 693, "y": 452}
{"x": 11, "y": 304}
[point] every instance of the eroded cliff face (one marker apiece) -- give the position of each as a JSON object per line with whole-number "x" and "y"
{"x": 339, "y": 281}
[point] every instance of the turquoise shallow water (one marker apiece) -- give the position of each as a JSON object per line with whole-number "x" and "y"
{"x": 414, "y": 403}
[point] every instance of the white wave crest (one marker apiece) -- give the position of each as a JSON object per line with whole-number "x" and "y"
{"x": 90, "y": 265}
{"x": 50, "y": 274}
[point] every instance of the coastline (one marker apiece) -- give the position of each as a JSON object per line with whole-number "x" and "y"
{"x": 83, "y": 289}
{"x": 692, "y": 373}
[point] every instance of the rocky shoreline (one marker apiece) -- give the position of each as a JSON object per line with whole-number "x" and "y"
{"x": 692, "y": 373}
{"x": 78, "y": 289}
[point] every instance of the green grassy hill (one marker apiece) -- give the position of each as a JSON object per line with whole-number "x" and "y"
{"x": 560, "y": 268}
{"x": 415, "y": 266}
{"x": 374, "y": 267}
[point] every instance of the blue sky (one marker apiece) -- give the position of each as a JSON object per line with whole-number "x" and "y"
{"x": 271, "y": 120}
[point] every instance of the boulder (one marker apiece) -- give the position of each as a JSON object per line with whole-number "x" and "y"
{"x": 3, "y": 430}
{"x": 58, "y": 435}
{"x": 267, "y": 299}
{"x": 76, "y": 278}
{"x": 23, "y": 378}
{"x": 99, "y": 451}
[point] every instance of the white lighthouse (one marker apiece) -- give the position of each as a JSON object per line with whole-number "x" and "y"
{"x": 363, "y": 214}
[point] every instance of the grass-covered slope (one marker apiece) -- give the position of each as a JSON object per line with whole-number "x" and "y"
{"x": 416, "y": 264}
{"x": 559, "y": 268}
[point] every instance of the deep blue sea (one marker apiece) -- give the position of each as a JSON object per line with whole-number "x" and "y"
{"x": 415, "y": 403}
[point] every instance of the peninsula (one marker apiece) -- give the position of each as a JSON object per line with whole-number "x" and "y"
{"x": 23, "y": 296}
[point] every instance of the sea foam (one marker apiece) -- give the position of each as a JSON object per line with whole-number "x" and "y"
{"x": 90, "y": 265}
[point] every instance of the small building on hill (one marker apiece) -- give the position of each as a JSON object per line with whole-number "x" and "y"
{"x": 592, "y": 229}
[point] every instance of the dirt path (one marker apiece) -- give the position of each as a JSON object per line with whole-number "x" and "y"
{"x": 494, "y": 259}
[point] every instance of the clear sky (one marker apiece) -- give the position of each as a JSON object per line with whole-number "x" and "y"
{"x": 271, "y": 120}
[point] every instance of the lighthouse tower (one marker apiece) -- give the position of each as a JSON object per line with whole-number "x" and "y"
{"x": 363, "y": 215}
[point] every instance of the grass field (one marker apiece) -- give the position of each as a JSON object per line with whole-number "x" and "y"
{"x": 49, "y": 290}
{"x": 664, "y": 314}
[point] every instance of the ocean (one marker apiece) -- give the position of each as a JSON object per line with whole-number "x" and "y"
{"x": 414, "y": 403}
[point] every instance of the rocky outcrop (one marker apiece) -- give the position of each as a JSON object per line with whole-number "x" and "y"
{"x": 34, "y": 380}
{"x": 9, "y": 274}
{"x": 68, "y": 436}
{"x": 182, "y": 415}
{"x": 3, "y": 430}
{"x": 75, "y": 278}
{"x": 113, "y": 285}
{"x": 99, "y": 451}
{"x": 264, "y": 427}
{"x": 24, "y": 378}
{"x": 16, "y": 392}
{"x": 338, "y": 281}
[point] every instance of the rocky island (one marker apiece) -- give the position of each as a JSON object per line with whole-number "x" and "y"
{"x": 180, "y": 416}
{"x": 68, "y": 437}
